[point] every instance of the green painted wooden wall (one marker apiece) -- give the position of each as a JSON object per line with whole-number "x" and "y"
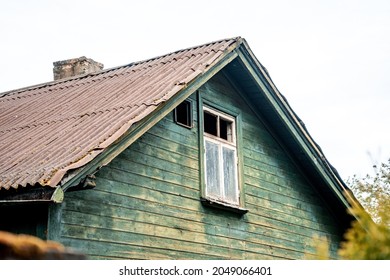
{"x": 146, "y": 202}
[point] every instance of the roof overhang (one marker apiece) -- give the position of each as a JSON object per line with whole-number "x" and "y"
{"x": 32, "y": 195}
{"x": 270, "y": 105}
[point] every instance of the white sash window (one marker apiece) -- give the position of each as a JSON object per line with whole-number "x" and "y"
{"x": 221, "y": 176}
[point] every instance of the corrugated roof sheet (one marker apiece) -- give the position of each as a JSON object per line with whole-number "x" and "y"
{"x": 48, "y": 129}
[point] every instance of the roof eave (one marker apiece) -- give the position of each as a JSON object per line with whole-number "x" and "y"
{"x": 33, "y": 195}
{"x": 295, "y": 126}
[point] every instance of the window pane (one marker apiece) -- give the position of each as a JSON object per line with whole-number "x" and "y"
{"x": 225, "y": 130}
{"x": 229, "y": 172}
{"x": 210, "y": 123}
{"x": 183, "y": 114}
{"x": 212, "y": 170}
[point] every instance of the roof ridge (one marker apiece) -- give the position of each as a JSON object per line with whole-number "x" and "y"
{"x": 54, "y": 82}
{"x": 182, "y": 50}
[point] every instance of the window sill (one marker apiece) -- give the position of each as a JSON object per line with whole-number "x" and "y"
{"x": 220, "y": 205}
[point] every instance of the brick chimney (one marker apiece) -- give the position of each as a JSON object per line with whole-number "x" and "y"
{"x": 74, "y": 67}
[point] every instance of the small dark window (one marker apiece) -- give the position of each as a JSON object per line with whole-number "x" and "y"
{"x": 183, "y": 114}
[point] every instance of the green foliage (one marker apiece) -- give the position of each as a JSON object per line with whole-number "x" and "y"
{"x": 373, "y": 192}
{"x": 366, "y": 240}
{"x": 369, "y": 236}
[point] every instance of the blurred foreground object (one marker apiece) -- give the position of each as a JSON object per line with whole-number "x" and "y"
{"x": 27, "y": 247}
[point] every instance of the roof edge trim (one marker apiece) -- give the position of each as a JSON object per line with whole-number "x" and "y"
{"x": 33, "y": 195}
{"x": 292, "y": 121}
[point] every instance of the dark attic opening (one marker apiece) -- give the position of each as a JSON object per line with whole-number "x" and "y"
{"x": 183, "y": 114}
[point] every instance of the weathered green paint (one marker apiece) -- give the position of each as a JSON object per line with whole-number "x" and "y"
{"x": 146, "y": 203}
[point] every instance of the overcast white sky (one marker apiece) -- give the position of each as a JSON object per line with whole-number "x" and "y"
{"x": 331, "y": 58}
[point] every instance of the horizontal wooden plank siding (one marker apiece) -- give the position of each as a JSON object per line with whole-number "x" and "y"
{"x": 146, "y": 203}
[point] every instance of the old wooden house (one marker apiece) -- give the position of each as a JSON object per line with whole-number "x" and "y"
{"x": 190, "y": 155}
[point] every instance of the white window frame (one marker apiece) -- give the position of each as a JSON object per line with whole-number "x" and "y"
{"x": 230, "y": 144}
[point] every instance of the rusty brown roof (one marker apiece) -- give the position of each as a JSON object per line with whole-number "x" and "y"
{"x": 48, "y": 129}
